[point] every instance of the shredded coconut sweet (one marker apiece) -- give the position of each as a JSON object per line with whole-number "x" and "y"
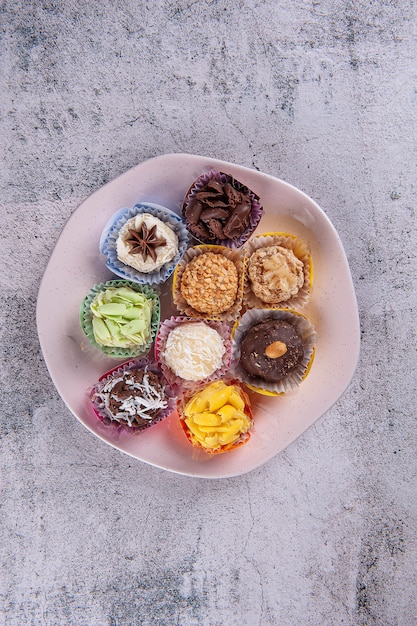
{"x": 133, "y": 398}
{"x": 194, "y": 351}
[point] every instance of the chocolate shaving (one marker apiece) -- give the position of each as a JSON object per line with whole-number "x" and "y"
{"x": 217, "y": 214}
{"x": 219, "y": 210}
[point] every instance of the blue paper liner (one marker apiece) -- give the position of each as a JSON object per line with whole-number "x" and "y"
{"x": 86, "y": 319}
{"x": 108, "y": 243}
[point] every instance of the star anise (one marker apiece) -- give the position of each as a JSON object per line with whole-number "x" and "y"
{"x": 145, "y": 242}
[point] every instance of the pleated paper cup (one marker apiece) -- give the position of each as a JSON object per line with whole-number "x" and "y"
{"x": 86, "y": 319}
{"x": 296, "y": 376}
{"x": 254, "y": 217}
{"x": 98, "y": 405}
{"x": 186, "y": 384}
{"x": 300, "y": 250}
{"x": 194, "y": 436}
{"x": 180, "y": 302}
{"x": 110, "y": 234}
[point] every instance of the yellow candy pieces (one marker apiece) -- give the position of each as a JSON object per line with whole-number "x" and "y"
{"x": 216, "y": 417}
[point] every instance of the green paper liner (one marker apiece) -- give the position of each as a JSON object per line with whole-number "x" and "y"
{"x": 86, "y": 319}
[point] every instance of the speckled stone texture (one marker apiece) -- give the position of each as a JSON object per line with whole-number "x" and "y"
{"x": 321, "y": 94}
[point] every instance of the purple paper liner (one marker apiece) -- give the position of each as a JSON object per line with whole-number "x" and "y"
{"x": 254, "y": 216}
{"x": 102, "y": 414}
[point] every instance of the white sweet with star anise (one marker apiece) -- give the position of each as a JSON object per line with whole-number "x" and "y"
{"x": 162, "y": 244}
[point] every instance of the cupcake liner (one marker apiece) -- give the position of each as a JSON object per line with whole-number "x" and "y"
{"x": 254, "y": 216}
{"x": 180, "y": 384}
{"x": 108, "y": 243}
{"x": 101, "y": 412}
{"x": 300, "y": 250}
{"x": 295, "y": 378}
{"x": 86, "y": 319}
{"x": 183, "y": 307}
{"x": 244, "y": 437}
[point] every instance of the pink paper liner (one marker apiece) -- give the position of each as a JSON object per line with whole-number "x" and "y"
{"x": 250, "y": 300}
{"x": 255, "y": 215}
{"x": 102, "y": 415}
{"x": 183, "y": 307}
{"x": 180, "y": 385}
{"x": 295, "y": 378}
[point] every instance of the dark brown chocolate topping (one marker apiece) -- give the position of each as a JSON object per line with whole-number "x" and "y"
{"x": 219, "y": 210}
{"x": 145, "y": 241}
{"x": 257, "y": 339}
{"x": 133, "y": 398}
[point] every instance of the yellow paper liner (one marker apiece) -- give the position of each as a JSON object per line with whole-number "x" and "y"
{"x": 185, "y": 309}
{"x": 300, "y": 250}
{"x": 296, "y": 377}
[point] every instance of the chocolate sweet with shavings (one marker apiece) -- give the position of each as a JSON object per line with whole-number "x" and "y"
{"x": 220, "y": 210}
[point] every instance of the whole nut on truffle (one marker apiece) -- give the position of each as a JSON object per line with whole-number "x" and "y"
{"x": 275, "y": 349}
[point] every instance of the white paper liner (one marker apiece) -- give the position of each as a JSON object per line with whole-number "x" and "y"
{"x": 234, "y": 255}
{"x": 255, "y": 216}
{"x": 295, "y": 378}
{"x": 108, "y": 243}
{"x": 176, "y": 382}
{"x": 300, "y": 250}
{"x": 102, "y": 415}
{"x": 86, "y": 319}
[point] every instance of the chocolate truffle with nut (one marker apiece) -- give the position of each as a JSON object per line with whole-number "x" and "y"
{"x": 271, "y": 350}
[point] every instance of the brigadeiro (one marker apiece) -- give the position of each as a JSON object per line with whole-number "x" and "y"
{"x": 274, "y": 350}
{"x": 132, "y": 397}
{"x": 218, "y": 209}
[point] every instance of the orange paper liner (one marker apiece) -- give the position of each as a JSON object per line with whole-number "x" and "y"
{"x": 244, "y": 437}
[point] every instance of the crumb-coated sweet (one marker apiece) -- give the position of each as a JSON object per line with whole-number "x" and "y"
{"x": 271, "y": 350}
{"x": 209, "y": 283}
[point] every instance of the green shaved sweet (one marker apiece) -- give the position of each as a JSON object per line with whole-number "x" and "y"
{"x": 121, "y": 318}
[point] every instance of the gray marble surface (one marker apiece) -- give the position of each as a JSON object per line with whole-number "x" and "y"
{"x": 321, "y": 94}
